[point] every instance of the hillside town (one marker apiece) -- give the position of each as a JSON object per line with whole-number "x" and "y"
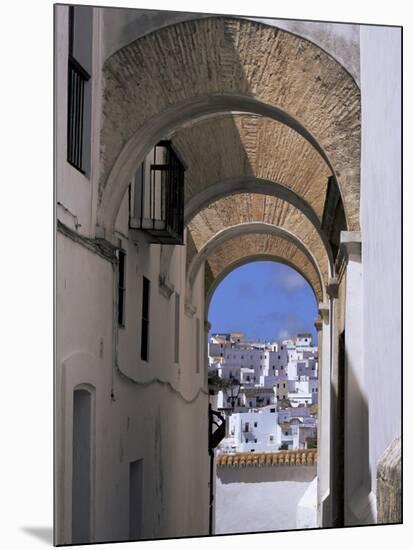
{"x": 267, "y": 391}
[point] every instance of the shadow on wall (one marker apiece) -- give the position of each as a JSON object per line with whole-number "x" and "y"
{"x": 352, "y": 476}
{"x": 223, "y": 72}
{"x": 233, "y": 161}
{"x": 267, "y": 474}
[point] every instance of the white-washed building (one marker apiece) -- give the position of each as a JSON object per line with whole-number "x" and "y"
{"x": 296, "y": 433}
{"x": 255, "y": 430}
{"x": 139, "y": 94}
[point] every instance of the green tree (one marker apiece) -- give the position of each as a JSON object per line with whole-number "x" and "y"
{"x": 311, "y": 442}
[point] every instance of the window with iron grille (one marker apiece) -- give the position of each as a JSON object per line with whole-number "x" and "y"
{"x": 198, "y": 344}
{"x": 334, "y": 219}
{"x": 157, "y": 205}
{"x": 177, "y": 327}
{"x": 79, "y": 87}
{"x": 121, "y": 288}
{"x": 145, "y": 319}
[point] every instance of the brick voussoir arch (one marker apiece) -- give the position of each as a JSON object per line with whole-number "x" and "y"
{"x": 256, "y": 246}
{"x": 255, "y": 228}
{"x": 215, "y": 65}
{"x": 271, "y": 211}
{"x": 240, "y": 146}
{"x": 202, "y": 200}
{"x": 210, "y": 196}
{"x": 213, "y": 284}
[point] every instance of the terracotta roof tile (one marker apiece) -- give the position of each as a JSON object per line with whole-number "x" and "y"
{"x": 248, "y": 459}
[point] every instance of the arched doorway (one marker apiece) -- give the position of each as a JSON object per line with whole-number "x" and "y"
{"x": 263, "y": 348}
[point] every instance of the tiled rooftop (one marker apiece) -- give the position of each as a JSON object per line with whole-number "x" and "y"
{"x": 289, "y": 458}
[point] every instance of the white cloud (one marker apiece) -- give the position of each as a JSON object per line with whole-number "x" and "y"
{"x": 286, "y": 278}
{"x": 291, "y": 280}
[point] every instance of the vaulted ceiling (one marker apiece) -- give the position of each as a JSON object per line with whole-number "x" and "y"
{"x": 245, "y": 208}
{"x": 261, "y": 118}
{"x": 228, "y": 147}
{"x": 201, "y": 61}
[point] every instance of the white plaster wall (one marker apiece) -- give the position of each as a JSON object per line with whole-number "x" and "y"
{"x": 259, "y": 499}
{"x": 303, "y": 341}
{"x": 307, "y": 508}
{"x": 263, "y": 362}
{"x": 83, "y": 355}
{"x": 300, "y": 398}
{"x": 132, "y": 421}
{"x": 357, "y": 475}
{"x": 381, "y": 234}
{"x": 270, "y": 380}
{"x": 286, "y": 414}
{"x": 156, "y": 411}
{"x": 323, "y": 465}
{"x": 176, "y": 424}
{"x": 76, "y": 193}
{"x": 267, "y": 425}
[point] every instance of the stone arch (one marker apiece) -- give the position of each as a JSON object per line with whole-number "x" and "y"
{"x": 241, "y": 185}
{"x": 242, "y": 146}
{"x": 250, "y": 67}
{"x": 247, "y": 184}
{"x": 246, "y": 260}
{"x": 233, "y": 202}
{"x": 241, "y": 248}
{"x": 244, "y": 208}
{"x": 244, "y": 229}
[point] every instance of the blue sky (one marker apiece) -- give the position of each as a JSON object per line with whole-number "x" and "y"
{"x": 266, "y": 300}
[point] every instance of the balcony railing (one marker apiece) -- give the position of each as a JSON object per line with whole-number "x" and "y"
{"x": 159, "y": 196}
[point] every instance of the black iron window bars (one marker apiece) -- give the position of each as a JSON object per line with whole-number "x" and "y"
{"x": 159, "y": 196}
{"x": 77, "y": 78}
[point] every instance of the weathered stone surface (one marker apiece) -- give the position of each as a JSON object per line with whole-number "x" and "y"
{"x": 258, "y": 246}
{"x": 341, "y": 41}
{"x": 389, "y": 486}
{"x": 245, "y": 145}
{"x": 229, "y": 56}
{"x": 249, "y": 207}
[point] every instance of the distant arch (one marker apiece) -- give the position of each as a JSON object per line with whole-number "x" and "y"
{"x": 252, "y": 228}
{"x": 235, "y": 186}
{"x": 259, "y": 245}
{"x": 248, "y": 260}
